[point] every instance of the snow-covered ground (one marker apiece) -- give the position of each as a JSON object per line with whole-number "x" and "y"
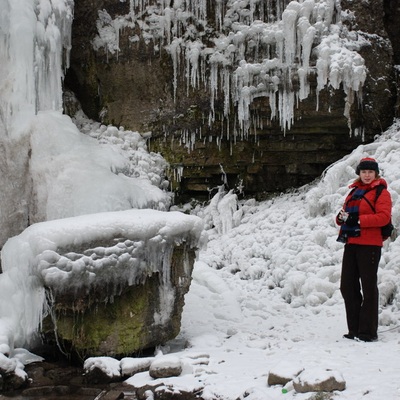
{"x": 265, "y": 293}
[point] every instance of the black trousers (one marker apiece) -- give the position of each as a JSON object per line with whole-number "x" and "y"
{"x": 359, "y": 288}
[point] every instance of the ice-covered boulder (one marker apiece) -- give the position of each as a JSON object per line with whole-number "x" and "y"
{"x": 111, "y": 283}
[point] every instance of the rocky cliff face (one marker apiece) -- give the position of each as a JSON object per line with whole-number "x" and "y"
{"x": 198, "y": 75}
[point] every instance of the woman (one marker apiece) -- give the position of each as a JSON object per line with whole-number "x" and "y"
{"x": 361, "y": 219}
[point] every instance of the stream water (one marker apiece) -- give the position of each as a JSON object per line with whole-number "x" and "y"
{"x": 57, "y": 378}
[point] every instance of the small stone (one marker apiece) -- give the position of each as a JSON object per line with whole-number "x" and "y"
{"x": 165, "y": 367}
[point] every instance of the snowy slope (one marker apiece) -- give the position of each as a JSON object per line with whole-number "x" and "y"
{"x": 265, "y": 294}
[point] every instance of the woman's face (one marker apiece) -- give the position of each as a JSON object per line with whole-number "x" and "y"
{"x": 367, "y": 176}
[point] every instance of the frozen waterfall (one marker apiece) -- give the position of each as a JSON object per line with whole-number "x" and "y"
{"x": 52, "y": 169}
{"x": 256, "y": 48}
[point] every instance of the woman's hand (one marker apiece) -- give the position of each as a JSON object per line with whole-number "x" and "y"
{"x": 342, "y": 216}
{"x": 352, "y": 219}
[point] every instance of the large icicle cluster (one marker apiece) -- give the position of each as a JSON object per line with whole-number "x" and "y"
{"x": 39, "y": 36}
{"x": 256, "y": 48}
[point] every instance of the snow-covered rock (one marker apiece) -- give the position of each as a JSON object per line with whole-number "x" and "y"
{"x": 283, "y": 373}
{"x": 165, "y": 367}
{"x": 131, "y": 366}
{"x": 102, "y": 369}
{"x": 315, "y": 380}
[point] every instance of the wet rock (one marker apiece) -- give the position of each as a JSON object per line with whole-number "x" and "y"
{"x": 57, "y": 380}
{"x": 15, "y": 380}
{"x": 113, "y": 395}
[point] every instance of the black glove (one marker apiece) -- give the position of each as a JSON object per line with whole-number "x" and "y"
{"x": 352, "y": 219}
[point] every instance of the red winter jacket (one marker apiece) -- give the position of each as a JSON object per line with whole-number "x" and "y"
{"x": 370, "y": 222}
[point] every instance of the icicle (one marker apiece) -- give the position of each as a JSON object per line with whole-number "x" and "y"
{"x": 307, "y": 42}
{"x": 215, "y": 60}
{"x": 175, "y": 50}
{"x": 304, "y": 85}
{"x": 307, "y": 8}
{"x": 219, "y": 14}
{"x": 227, "y": 90}
{"x": 286, "y": 107}
{"x": 168, "y": 12}
{"x": 289, "y": 18}
{"x": 132, "y": 8}
{"x": 178, "y": 174}
{"x": 192, "y": 56}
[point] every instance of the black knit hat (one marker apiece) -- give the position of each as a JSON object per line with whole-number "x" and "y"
{"x": 367, "y": 163}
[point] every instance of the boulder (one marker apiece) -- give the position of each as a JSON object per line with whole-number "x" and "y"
{"x": 115, "y": 295}
{"x": 124, "y": 319}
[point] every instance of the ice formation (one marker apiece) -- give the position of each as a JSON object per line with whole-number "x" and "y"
{"x": 54, "y": 168}
{"x": 32, "y": 69}
{"x": 51, "y": 167}
{"x": 257, "y": 48}
{"x": 137, "y": 243}
{"x": 34, "y": 50}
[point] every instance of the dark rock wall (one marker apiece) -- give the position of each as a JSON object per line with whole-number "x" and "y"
{"x": 134, "y": 88}
{"x": 391, "y": 21}
{"x": 374, "y": 22}
{"x": 391, "y": 16}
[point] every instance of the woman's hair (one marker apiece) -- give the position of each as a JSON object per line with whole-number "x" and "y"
{"x": 377, "y": 176}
